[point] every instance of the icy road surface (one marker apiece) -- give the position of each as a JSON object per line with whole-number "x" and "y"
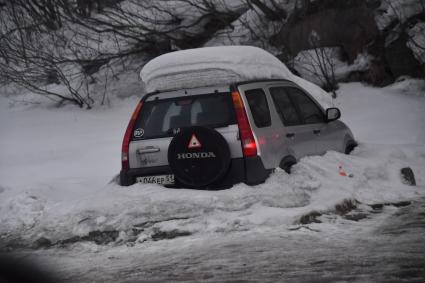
{"x": 387, "y": 246}
{"x": 59, "y": 208}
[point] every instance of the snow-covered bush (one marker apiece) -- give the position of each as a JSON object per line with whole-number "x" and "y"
{"x": 81, "y": 51}
{"x": 46, "y": 42}
{"x": 315, "y": 64}
{"x": 416, "y": 41}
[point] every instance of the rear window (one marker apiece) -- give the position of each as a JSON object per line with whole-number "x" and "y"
{"x": 259, "y": 108}
{"x": 161, "y": 118}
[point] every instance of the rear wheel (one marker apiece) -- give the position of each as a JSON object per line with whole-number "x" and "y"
{"x": 351, "y": 145}
{"x": 199, "y": 157}
{"x": 287, "y": 163}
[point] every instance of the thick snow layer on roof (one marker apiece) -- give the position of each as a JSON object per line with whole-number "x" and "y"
{"x": 211, "y": 66}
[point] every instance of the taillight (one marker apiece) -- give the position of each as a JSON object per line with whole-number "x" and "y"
{"x": 127, "y": 136}
{"x": 249, "y": 147}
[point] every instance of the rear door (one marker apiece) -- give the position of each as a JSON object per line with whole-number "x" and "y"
{"x": 164, "y": 114}
{"x": 298, "y": 137}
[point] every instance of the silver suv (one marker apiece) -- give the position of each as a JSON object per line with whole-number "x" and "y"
{"x": 215, "y": 137}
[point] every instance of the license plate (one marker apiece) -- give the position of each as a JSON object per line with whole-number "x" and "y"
{"x": 158, "y": 179}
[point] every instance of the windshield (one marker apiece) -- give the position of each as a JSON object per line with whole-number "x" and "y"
{"x": 160, "y": 118}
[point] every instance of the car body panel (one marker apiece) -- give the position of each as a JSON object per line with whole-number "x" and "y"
{"x": 331, "y": 137}
{"x": 274, "y": 142}
{"x": 154, "y": 152}
{"x": 277, "y": 141}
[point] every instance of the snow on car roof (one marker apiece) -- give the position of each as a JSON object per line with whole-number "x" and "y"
{"x": 210, "y": 66}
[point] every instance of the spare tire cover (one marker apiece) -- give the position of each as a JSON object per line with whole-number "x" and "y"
{"x": 198, "y": 156}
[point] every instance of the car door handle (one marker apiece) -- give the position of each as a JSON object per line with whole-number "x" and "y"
{"x": 316, "y": 132}
{"x": 290, "y": 135}
{"x": 148, "y": 149}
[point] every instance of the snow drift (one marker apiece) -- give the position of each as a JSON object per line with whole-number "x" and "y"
{"x": 56, "y": 187}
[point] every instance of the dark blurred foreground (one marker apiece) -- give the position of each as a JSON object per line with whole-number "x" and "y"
{"x": 14, "y": 269}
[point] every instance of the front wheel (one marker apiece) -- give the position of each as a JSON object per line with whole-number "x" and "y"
{"x": 351, "y": 145}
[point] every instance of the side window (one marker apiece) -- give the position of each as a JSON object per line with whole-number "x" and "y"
{"x": 284, "y": 106}
{"x": 259, "y": 108}
{"x": 309, "y": 111}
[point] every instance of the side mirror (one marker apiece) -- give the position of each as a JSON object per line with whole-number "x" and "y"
{"x": 332, "y": 114}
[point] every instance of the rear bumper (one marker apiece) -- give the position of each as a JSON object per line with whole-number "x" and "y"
{"x": 248, "y": 170}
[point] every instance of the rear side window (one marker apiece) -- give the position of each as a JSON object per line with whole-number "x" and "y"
{"x": 259, "y": 108}
{"x": 161, "y": 118}
{"x": 285, "y": 107}
{"x": 309, "y": 111}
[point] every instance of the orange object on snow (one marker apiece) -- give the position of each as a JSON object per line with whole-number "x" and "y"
{"x": 342, "y": 172}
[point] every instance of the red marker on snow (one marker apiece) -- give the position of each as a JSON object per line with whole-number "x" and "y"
{"x": 342, "y": 172}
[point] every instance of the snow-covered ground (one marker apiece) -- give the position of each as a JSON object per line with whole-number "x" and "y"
{"x": 57, "y": 167}
{"x": 391, "y": 115}
{"x": 385, "y": 246}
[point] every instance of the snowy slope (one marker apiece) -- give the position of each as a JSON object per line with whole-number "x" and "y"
{"x": 56, "y": 166}
{"x": 391, "y": 115}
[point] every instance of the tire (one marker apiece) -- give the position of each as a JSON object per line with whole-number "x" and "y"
{"x": 287, "y": 163}
{"x": 124, "y": 180}
{"x": 199, "y": 157}
{"x": 351, "y": 145}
